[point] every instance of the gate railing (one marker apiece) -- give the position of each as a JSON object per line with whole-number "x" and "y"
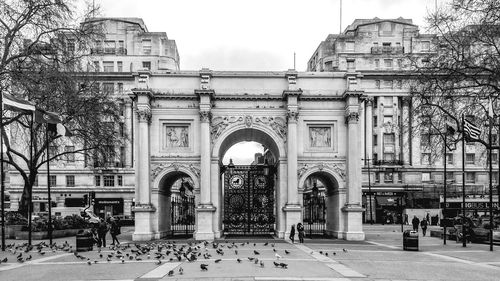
{"x": 314, "y": 214}
{"x": 182, "y": 215}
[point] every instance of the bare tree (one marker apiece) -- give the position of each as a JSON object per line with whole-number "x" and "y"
{"x": 44, "y": 59}
{"x": 461, "y": 73}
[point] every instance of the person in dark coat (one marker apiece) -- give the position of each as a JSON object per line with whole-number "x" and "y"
{"x": 300, "y": 229}
{"x": 415, "y": 222}
{"x": 102, "y": 229}
{"x": 292, "y": 233}
{"x": 423, "y": 224}
{"x": 114, "y": 230}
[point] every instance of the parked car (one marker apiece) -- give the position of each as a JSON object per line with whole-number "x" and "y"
{"x": 496, "y": 231}
{"x": 475, "y": 231}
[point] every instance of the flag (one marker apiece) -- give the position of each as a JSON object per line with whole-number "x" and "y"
{"x": 490, "y": 108}
{"x": 54, "y": 122}
{"x": 450, "y": 128}
{"x": 14, "y": 103}
{"x": 471, "y": 130}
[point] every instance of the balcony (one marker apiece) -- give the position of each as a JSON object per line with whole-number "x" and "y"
{"x": 108, "y": 51}
{"x": 388, "y": 162}
{"x": 387, "y": 50}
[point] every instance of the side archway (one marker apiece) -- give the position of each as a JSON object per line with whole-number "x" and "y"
{"x": 331, "y": 192}
{"x": 169, "y": 184}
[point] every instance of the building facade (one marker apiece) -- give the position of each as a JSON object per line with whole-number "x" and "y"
{"x": 400, "y": 170}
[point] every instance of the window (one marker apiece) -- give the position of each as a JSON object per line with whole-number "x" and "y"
{"x": 120, "y": 180}
{"x": 389, "y": 139}
{"x": 108, "y": 66}
{"x": 96, "y": 66}
{"x": 146, "y": 65}
{"x": 120, "y": 88}
{"x": 425, "y": 139}
{"x": 70, "y": 181}
{"x": 470, "y": 158}
{"x": 146, "y": 46}
{"x": 109, "y": 180}
{"x": 35, "y": 183}
{"x": 494, "y": 177}
{"x": 400, "y": 63}
{"x": 119, "y": 66}
{"x": 426, "y": 177}
{"x": 375, "y": 121}
{"x": 350, "y": 64}
{"x": 425, "y": 159}
{"x": 349, "y": 46}
{"x": 377, "y": 63}
{"x": 398, "y": 44}
{"x": 386, "y": 44}
{"x": 449, "y": 158}
{"x": 108, "y": 88}
{"x": 470, "y": 177}
{"x": 400, "y": 177}
{"x": 377, "y": 84}
{"x": 122, "y": 156}
{"x": 494, "y": 157}
{"x": 375, "y": 44}
{"x": 122, "y": 109}
{"x": 388, "y": 177}
{"x": 389, "y": 157}
{"x": 121, "y": 44}
{"x": 70, "y": 46}
{"x": 70, "y": 156}
{"x": 53, "y": 180}
{"x": 97, "y": 180}
{"x": 388, "y": 63}
{"x": 387, "y": 119}
{"x": 121, "y": 129}
{"x": 377, "y": 177}
{"x": 375, "y": 139}
{"x": 450, "y": 177}
{"x": 388, "y": 84}
{"x": 375, "y": 156}
{"x": 109, "y": 47}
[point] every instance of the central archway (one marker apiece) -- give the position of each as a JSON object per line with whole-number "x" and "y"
{"x": 261, "y": 189}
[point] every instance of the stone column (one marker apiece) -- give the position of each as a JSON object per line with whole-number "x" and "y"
{"x": 405, "y": 119}
{"x": 353, "y": 228}
{"x": 292, "y": 209}
{"x": 368, "y": 128}
{"x": 143, "y": 208}
{"x": 128, "y": 132}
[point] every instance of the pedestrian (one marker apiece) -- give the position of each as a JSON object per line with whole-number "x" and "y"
{"x": 292, "y": 233}
{"x": 95, "y": 235}
{"x": 102, "y": 229}
{"x": 300, "y": 229}
{"x": 415, "y": 222}
{"x": 423, "y": 224}
{"x": 406, "y": 219}
{"x": 115, "y": 230}
{"x": 428, "y": 218}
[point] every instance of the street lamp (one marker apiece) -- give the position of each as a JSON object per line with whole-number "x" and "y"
{"x": 230, "y": 166}
{"x": 312, "y": 204}
{"x": 266, "y": 168}
{"x": 369, "y": 189}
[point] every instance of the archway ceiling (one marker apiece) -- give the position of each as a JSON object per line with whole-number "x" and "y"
{"x": 249, "y": 134}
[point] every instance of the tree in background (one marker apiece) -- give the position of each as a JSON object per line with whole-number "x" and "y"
{"x": 460, "y": 73}
{"x": 43, "y": 58}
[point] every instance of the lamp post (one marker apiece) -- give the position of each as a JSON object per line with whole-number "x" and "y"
{"x": 369, "y": 189}
{"x": 314, "y": 200}
{"x": 230, "y": 166}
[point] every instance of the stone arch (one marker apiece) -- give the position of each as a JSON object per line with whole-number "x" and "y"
{"x": 162, "y": 185}
{"x": 262, "y": 134}
{"x": 325, "y": 173}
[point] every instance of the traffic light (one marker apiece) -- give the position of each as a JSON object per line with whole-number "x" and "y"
{"x": 85, "y": 199}
{"x": 92, "y": 198}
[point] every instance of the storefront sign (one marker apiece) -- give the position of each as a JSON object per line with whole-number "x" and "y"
{"x": 470, "y": 205}
{"x": 109, "y": 201}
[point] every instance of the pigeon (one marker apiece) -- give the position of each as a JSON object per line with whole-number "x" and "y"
{"x": 345, "y": 251}
{"x": 334, "y": 253}
{"x": 204, "y": 266}
{"x": 256, "y": 261}
{"x": 276, "y": 264}
{"x": 321, "y": 252}
{"x": 267, "y": 243}
{"x": 235, "y": 252}
{"x": 158, "y": 262}
{"x": 326, "y": 254}
{"x": 5, "y": 260}
{"x": 181, "y": 270}
{"x": 170, "y": 273}
{"x": 89, "y": 262}
{"x": 287, "y": 252}
{"x": 28, "y": 258}
{"x": 250, "y": 258}
{"x": 217, "y": 260}
{"x": 261, "y": 264}
{"x": 283, "y": 265}
{"x": 255, "y": 252}
{"x": 238, "y": 260}
{"x": 277, "y": 255}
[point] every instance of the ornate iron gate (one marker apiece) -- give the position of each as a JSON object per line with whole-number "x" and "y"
{"x": 248, "y": 201}
{"x": 314, "y": 215}
{"x": 182, "y": 215}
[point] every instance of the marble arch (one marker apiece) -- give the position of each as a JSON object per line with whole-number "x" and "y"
{"x": 185, "y": 121}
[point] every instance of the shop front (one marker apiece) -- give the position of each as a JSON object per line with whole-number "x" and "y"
{"x": 106, "y": 207}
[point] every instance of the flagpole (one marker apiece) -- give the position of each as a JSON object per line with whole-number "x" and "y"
{"x": 30, "y": 191}
{"x": 48, "y": 184}
{"x": 490, "y": 126}
{"x": 2, "y": 193}
{"x": 444, "y": 185}
{"x": 464, "y": 242}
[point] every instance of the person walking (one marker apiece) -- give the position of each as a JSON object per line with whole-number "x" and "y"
{"x": 115, "y": 230}
{"x": 406, "y": 219}
{"x": 102, "y": 229}
{"x": 292, "y": 233}
{"x": 300, "y": 229}
{"x": 415, "y": 222}
{"x": 423, "y": 224}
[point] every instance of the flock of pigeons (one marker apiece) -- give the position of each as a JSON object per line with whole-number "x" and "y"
{"x": 159, "y": 251}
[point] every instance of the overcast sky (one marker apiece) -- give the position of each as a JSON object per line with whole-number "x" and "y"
{"x": 256, "y": 34}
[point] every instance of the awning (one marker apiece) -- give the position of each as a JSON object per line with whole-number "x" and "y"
{"x": 386, "y": 201}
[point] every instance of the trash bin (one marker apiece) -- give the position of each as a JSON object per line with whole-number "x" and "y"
{"x": 84, "y": 240}
{"x": 410, "y": 240}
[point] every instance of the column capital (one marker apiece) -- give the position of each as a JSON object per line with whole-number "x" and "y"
{"x": 292, "y": 116}
{"x": 205, "y": 116}
{"x": 143, "y": 114}
{"x": 351, "y": 117}
{"x": 368, "y": 100}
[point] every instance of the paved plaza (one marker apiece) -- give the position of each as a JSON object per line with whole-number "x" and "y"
{"x": 380, "y": 257}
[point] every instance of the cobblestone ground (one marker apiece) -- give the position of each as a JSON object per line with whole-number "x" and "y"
{"x": 380, "y": 257}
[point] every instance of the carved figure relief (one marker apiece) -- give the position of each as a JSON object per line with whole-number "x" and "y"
{"x": 278, "y": 124}
{"x": 221, "y": 123}
{"x": 320, "y": 136}
{"x": 177, "y": 136}
{"x": 248, "y": 120}
{"x": 338, "y": 168}
{"x": 176, "y": 166}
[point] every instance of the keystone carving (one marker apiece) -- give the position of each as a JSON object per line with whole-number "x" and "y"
{"x": 221, "y": 123}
